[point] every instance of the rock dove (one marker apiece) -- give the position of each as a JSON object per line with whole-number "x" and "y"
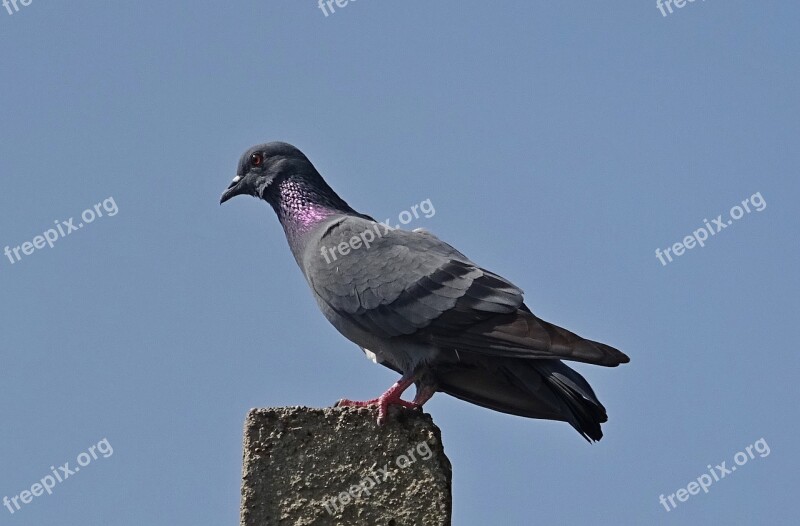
{"x": 417, "y": 305}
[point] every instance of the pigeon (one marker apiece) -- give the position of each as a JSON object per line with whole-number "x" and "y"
{"x": 416, "y": 305}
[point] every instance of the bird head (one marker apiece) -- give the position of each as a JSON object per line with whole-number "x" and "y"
{"x": 265, "y": 165}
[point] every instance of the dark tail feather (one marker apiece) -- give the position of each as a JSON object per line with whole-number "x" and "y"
{"x": 545, "y": 389}
{"x": 587, "y": 411}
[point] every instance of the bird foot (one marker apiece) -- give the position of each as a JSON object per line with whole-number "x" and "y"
{"x": 383, "y": 402}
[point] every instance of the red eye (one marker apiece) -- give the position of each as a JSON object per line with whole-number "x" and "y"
{"x": 256, "y": 159}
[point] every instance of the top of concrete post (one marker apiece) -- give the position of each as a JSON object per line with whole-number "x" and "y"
{"x": 306, "y": 466}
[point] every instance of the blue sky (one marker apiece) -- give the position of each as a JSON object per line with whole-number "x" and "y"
{"x": 561, "y": 143}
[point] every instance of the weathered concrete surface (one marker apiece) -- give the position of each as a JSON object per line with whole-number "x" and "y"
{"x": 336, "y": 466}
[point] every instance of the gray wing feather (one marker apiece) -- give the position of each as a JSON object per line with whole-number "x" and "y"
{"x": 403, "y": 281}
{"x": 412, "y": 283}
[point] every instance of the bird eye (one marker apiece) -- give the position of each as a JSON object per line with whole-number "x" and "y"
{"x": 256, "y": 159}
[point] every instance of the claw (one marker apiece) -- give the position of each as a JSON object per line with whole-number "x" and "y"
{"x": 383, "y": 402}
{"x": 389, "y": 398}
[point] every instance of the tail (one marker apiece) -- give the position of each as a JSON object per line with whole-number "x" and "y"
{"x": 545, "y": 389}
{"x": 587, "y": 413}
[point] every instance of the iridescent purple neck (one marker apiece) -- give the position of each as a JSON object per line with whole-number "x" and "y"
{"x": 303, "y": 202}
{"x": 307, "y": 217}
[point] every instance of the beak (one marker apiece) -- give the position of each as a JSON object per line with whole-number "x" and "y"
{"x": 232, "y": 191}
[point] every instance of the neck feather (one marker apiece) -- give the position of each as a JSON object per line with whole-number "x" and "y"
{"x": 303, "y": 202}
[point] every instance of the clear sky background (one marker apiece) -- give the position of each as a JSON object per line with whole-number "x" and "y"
{"x": 561, "y": 143}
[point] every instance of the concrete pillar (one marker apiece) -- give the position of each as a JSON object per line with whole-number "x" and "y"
{"x": 336, "y": 466}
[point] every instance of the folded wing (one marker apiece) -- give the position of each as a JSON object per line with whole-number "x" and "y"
{"x": 411, "y": 284}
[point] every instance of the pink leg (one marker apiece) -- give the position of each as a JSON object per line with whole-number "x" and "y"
{"x": 390, "y": 397}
